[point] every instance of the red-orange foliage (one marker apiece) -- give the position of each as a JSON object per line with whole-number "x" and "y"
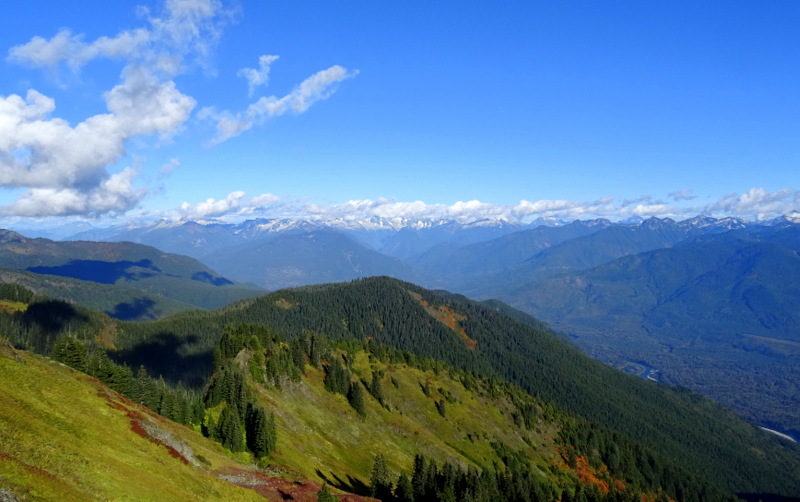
{"x": 136, "y": 418}
{"x": 446, "y": 316}
{"x": 276, "y": 489}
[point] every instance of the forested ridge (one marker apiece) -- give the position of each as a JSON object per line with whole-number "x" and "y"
{"x": 675, "y": 425}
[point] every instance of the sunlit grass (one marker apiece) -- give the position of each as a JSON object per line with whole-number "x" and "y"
{"x": 320, "y": 434}
{"x": 60, "y": 439}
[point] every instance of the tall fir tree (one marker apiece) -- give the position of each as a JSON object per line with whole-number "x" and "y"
{"x": 403, "y": 490}
{"x": 379, "y": 483}
{"x": 230, "y": 429}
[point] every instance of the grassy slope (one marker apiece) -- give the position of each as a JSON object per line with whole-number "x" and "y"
{"x": 320, "y": 434}
{"x": 65, "y": 436}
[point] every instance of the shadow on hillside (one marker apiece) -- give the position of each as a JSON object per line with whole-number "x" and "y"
{"x": 352, "y": 485}
{"x": 104, "y": 272}
{"x": 52, "y": 316}
{"x": 140, "y": 309}
{"x": 168, "y": 356}
{"x": 210, "y": 279}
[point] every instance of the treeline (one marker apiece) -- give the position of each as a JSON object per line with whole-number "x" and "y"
{"x": 175, "y": 403}
{"x": 515, "y": 480}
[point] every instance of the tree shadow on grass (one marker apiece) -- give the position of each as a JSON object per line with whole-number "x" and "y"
{"x": 352, "y": 485}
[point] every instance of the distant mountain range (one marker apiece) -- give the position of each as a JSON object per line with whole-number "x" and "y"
{"x": 707, "y": 303}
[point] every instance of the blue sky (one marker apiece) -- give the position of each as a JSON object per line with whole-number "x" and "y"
{"x": 206, "y": 109}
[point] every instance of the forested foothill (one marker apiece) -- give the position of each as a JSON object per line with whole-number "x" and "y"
{"x": 232, "y": 374}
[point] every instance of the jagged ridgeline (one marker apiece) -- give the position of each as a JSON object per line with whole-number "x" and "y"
{"x": 683, "y": 427}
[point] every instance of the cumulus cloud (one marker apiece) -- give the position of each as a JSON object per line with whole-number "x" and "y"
{"x": 257, "y": 76}
{"x": 756, "y": 203}
{"x": 71, "y": 169}
{"x": 70, "y": 164}
{"x": 115, "y": 194}
{"x": 317, "y": 87}
{"x": 212, "y": 208}
{"x": 237, "y": 206}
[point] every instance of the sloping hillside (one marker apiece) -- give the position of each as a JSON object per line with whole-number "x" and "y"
{"x": 65, "y": 436}
{"x": 155, "y": 274}
{"x": 718, "y": 314}
{"x": 688, "y": 429}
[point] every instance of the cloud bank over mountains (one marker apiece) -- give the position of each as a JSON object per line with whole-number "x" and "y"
{"x": 756, "y": 204}
{"x": 63, "y": 170}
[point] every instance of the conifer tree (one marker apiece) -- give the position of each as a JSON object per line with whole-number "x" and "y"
{"x": 356, "y": 398}
{"x": 324, "y": 495}
{"x": 404, "y": 491}
{"x": 230, "y": 429}
{"x": 419, "y": 477}
{"x": 337, "y": 377}
{"x": 314, "y": 350}
{"x": 375, "y": 387}
{"x": 379, "y": 483}
{"x": 260, "y": 431}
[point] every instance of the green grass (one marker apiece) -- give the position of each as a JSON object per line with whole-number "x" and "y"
{"x": 65, "y": 436}
{"x": 319, "y": 434}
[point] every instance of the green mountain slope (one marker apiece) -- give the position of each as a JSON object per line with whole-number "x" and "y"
{"x": 159, "y": 275}
{"x": 121, "y": 302}
{"x": 489, "y": 437}
{"x": 718, "y": 314}
{"x": 64, "y": 436}
{"x": 695, "y": 432}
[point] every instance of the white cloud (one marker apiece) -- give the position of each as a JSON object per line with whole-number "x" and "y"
{"x": 211, "y": 207}
{"x": 114, "y": 194}
{"x": 756, "y": 203}
{"x": 315, "y": 88}
{"x": 260, "y": 76}
{"x": 188, "y": 27}
{"x": 72, "y": 166}
{"x": 69, "y": 164}
{"x": 144, "y": 105}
